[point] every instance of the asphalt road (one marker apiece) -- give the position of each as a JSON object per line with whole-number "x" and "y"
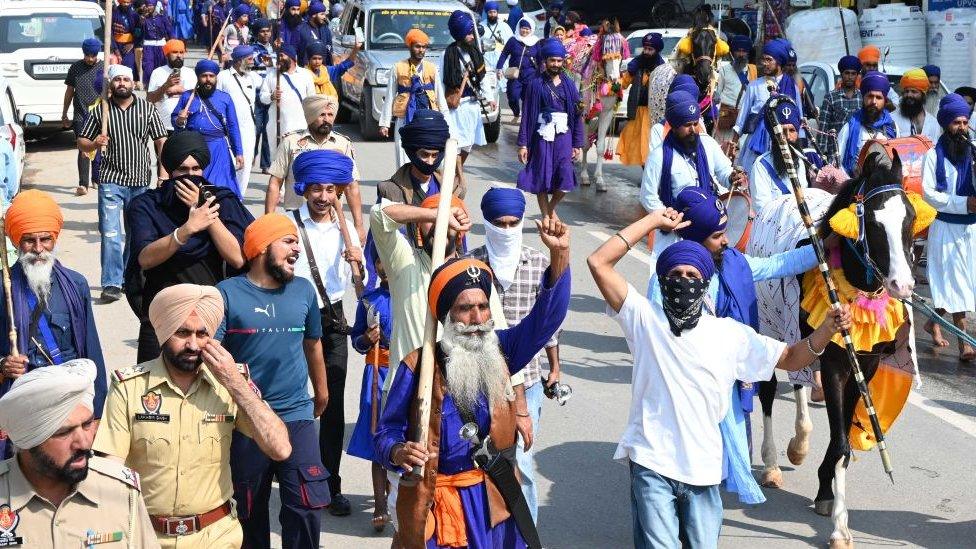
{"x": 584, "y": 497}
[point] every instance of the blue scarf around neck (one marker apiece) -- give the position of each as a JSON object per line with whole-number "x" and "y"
{"x": 665, "y": 189}
{"x": 963, "y": 166}
{"x": 883, "y": 123}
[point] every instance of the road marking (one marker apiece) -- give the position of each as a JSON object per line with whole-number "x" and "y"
{"x": 635, "y": 253}
{"x": 957, "y": 420}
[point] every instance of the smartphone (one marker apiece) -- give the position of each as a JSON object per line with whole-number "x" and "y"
{"x": 206, "y": 191}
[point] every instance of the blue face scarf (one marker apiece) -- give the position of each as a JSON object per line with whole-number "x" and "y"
{"x": 665, "y": 189}
{"x": 884, "y": 123}
{"x": 963, "y": 166}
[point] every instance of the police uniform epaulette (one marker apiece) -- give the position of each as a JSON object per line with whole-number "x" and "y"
{"x": 114, "y": 469}
{"x": 129, "y": 372}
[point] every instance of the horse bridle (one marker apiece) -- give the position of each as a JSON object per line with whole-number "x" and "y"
{"x": 709, "y": 58}
{"x": 862, "y": 239}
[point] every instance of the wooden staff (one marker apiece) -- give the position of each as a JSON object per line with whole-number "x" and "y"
{"x": 106, "y": 54}
{"x": 5, "y": 265}
{"x": 426, "y": 384}
{"x": 186, "y": 108}
{"x": 818, "y": 248}
{"x": 357, "y": 272}
{"x": 374, "y": 392}
{"x": 278, "y": 81}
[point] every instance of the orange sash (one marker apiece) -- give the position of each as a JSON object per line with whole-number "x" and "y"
{"x": 447, "y": 515}
{"x": 382, "y": 358}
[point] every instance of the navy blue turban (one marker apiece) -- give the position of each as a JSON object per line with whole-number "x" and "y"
{"x": 91, "y": 46}
{"x": 849, "y": 63}
{"x": 241, "y": 9}
{"x": 681, "y": 108}
{"x": 524, "y": 23}
{"x": 453, "y": 277}
{"x": 491, "y": 6}
{"x": 261, "y": 23}
{"x": 686, "y": 252}
{"x": 182, "y": 145}
{"x": 778, "y": 49}
{"x": 875, "y": 81}
{"x": 685, "y": 83}
{"x": 316, "y": 48}
{"x": 316, "y": 7}
{"x": 740, "y": 42}
{"x": 321, "y": 166}
{"x": 205, "y": 66}
{"x": 289, "y": 50}
{"x": 706, "y": 213}
{"x": 787, "y": 113}
{"x": 552, "y": 47}
{"x": 932, "y": 70}
{"x": 427, "y": 130}
{"x": 241, "y": 52}
{"x": 653, "y": 40}
{"x": 460, "y": 24}
{"x": 293, "y": 4}
{"x": 952, "y": 107}
{"x": 502, "y": 201}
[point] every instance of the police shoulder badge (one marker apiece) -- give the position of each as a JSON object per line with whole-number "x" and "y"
{"x": 124, "y": 374}
{"x": 9, "y": 520}
{"x": 152, "y": 402}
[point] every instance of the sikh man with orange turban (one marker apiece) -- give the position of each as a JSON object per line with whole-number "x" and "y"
{"x": 457, "y": 504}
{"x": 272, "y": 323}
{"x": 910, "y": 116}
{"x": 414, "y": 85}
{"x": 51, "y": 303}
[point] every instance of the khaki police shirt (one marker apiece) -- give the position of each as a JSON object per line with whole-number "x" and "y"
{"x": 296, "y": 143}
{"x": 178, "y": 443}
{"x": 106, "y": 509}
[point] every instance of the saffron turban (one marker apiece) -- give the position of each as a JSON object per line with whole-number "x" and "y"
{"x": 686, "y": 252}
{"x": 316, "y": 7}
{"x": 321, "y": 166}
{"x": 91, "y": 46}
{"x": 740, "y": 42}
{"x": 932, "y": 70}
{"x": 778, "y": 49}
{"x": 174, "y": 46}
{"x": 316, "y": 48}
{"x": 653, "y": 40}
{"x": 431, "y": 203}
{"x": 316, "y": 104}
{"x": 173, "y": 305}
{"x": 849, "y": 63}
{"x": 915, "y": 79}
{"x": 460, "y": 24}
{"x": 681, "y": 108}
{"x": 427, "y": 130}
{"x": 40, "y": 401}
{"x": 265, "y": 230}
{"x": 500, "y": 202}
{"x": 552, "y": 47}
{"x": 951, "y": 107}
{"x": 115, "y": 71}
{"x": 416, "y": 36}
{"x": 869, "y": 54}
{"x": 33, "y": 211}
{"x": 454, "y": 277}
{"x": 182, "y": 145}
{"x": 706, "y": 213}
{"x": 491, "y": 5}
{"x": 685, "y": 83}
{"x": 874, "y": 81}
{"x": 241, "y": 52}
{"x": 289, "y": 50}
{"x": 206, "y": 65}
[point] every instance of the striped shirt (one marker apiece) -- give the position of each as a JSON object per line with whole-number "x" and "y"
{"x": 127, "y": 161}
{"x": 518, "y": 300}
{"x": 834, "y": 112}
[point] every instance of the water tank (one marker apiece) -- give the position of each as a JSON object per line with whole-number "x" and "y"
{"x": 819, "y": 35}
{"x": 898, "y": 28}
{"x": 951, "y": 47}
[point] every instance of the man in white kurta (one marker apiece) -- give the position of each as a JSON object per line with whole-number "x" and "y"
{"x": 768, "y": 181}
{"x": 296, "y": 85}
{"x": 242, "y": 86}
{"x": 911, "y": 117}
{"x": 952, "y": 236}
{"x": 870, "y": 122}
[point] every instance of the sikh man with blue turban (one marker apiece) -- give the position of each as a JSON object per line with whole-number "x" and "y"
{"x": 465, "y": 85}
{"x": 733, "y": 78}
{"x": 871, "y": 121}
{"x": 769, "y": 179}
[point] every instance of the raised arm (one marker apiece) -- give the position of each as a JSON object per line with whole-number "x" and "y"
{"x": 803, "y": 352}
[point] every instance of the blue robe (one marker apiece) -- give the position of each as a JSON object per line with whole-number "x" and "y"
{"x": 361, "y": 441}
{"x": 218, "y": 12}
{"x": 519, "y": 344}
{"x": 221, "y": 171}
{"x": 126, "y": 21}
{"x": 308, "y": 34}
{"x": 526, "y": 59}
{"x": 291, "y": 35}
{"x": 550, "y": 165}
{"x": 182, "y": 16}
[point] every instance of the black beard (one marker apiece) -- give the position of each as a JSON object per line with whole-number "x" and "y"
{"x": 277, "y": 272}
{"x": 284, "y": 65}
{"x": 293, "y": 20}
{"x": 554, "y": 72}
{"x": 957, "y": 146}
{"x": 778, "y": 161}
{"x": 870, "y": 116}
{"x": 121, "y": 93}
{"x": 62, "y": 473}
{"x": 175, "y": 63}
{"x": 182, "y": 361}
{"x": 910, "y": 107}
{"x": 689, "y": 142}
{"x": 323, "y": 129}
{"x": 717, "y": 257}
{"x": 492, "y": 20}
{"x": 739, "y": 64}
{"x": 206, "y": 90}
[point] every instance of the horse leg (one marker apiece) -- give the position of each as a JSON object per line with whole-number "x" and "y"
{"x": 772, "y": 477}
{"x": 841, "y": 537}
{"x": 603, "y": 131}
{"x": 834, "y": 375}
{"x": 580, "y": 167}
{"x": 799, "y": 445}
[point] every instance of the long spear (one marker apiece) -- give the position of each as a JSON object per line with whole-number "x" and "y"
{"x": 107, "y": 52}
{"x": 213, "y": 48}
{"x": 818, "y": 248}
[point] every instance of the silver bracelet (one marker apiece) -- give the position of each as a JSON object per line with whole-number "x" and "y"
{"x": 810, "y": 348}
{"x": 176, "y": 238}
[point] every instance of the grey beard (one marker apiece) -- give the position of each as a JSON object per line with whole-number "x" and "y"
{"x": 38, "y": 274}
{"x": 475, "y": 365}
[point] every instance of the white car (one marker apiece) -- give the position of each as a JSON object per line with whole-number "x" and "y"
{"x": 39, "y": 41}
{"x": 823, "y": 77}
{"x": 634, "y": 40}
{"x": 10, "y": 126}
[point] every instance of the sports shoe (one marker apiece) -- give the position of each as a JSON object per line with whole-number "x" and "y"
{"x": 340, "y": 506}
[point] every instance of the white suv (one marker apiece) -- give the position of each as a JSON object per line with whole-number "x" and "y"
{"x": 39, "y": 40}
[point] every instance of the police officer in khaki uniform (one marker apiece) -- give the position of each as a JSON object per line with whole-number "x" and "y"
{"x": 52, "y": 494}
{"x": 320, "y": 113}
{"x": 171, "y": 420}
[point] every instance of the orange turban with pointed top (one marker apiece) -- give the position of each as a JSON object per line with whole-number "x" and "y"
{"x": 915, "y": 79}
{"x": 265, "y": 230}
{"x": 416, "y": 36}
{"x": 33, "y": 211}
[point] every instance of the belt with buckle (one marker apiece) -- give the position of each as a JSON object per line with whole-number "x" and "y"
{"x": 182, "y": 526}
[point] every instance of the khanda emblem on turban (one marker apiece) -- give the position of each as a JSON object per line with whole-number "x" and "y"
{"x": 475, "y": 273}
{"x": 787, "y": 112}
{"x": 691, "y": 109}
{"x": 151, "y": 402}
{"x": 8, "y": 523}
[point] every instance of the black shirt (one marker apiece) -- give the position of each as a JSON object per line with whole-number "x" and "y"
{"x": 81, "y": 77}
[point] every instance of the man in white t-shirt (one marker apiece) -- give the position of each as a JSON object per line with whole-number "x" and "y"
{"x": 167, "y": 83}
{"x": 685, "y": 364}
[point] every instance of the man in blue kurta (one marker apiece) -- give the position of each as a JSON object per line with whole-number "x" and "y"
{"x": 125, "y": 27}
{"x": 218, "y": 13}
{"x": 212, "y": 114}
{"x": 472, "y": 366}
{"x": 316, "y": 29}
{"x": 51, "y": 304}
{"x": 288, "y": 28}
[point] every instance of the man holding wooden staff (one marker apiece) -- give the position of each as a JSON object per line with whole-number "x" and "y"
{"x": 321, "y": 176}
{"x": 474, "y": 507}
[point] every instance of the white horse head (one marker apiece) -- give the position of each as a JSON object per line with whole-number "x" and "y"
{"x": 611, "y": 67}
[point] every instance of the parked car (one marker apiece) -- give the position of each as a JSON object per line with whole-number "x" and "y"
{"x": 671, "y": 37}
{"x": 39, "y": 41}
{"x": 823, "y": 77}
{"x": 12, "y": 128}
{"x": 380, "y": 25}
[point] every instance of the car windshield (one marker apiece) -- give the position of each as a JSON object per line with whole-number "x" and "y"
{"x": 635, "y": 44}
{"x": 388, "y": 27}
{"x": 47, "y": 30}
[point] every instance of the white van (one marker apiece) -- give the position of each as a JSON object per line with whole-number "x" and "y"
{"x": 39, "y": 40}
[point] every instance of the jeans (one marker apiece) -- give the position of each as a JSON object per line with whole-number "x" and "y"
{"x": 526, "y": 459}
{"x": 261, "y": 114}
{"x": 332, "y": 424}
{"x": 668, "y": 513}
{"x": 112, "y": 201}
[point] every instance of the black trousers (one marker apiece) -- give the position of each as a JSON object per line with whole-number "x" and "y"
{"x": 148, "y": 344}
{"x": 332, "y": 424}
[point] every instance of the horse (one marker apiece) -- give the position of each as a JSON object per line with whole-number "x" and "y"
{"x": 699, "y": 62}
{"x": 600, "y": 97}
{"x": 874, "y": 260}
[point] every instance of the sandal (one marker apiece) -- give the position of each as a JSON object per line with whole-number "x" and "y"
{"x": 967, "y": 356}
{"x": 81, "y": 190}
{"x": 380, "y": 521}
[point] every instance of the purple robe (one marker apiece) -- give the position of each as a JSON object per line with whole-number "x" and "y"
{"x": 157, "y": 27}
{"x": 218, "y": 12}
{"x": 550, "y": 165}
{"x": 125, "y": 22}
{"x": 519, "y": 344}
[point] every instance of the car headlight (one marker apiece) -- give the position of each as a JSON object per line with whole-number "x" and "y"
{"x": 10, "y": 68}
{"x": 382, "y": 76}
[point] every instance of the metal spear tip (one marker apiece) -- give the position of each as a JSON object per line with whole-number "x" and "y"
{"x": 891, "y": 477}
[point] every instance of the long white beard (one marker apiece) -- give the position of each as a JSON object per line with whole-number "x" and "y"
{"x": 475, "y": 364}
{"x": 37, "y": 270}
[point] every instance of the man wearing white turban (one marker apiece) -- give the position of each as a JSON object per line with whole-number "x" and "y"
{"x": 171, "y": 420}
{"x": 48, "y": 414}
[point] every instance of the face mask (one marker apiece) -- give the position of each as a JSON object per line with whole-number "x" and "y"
{"x": 504, "y": 251}
{"x": 425, "y": 168}
{"x": 683, "y": 299}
